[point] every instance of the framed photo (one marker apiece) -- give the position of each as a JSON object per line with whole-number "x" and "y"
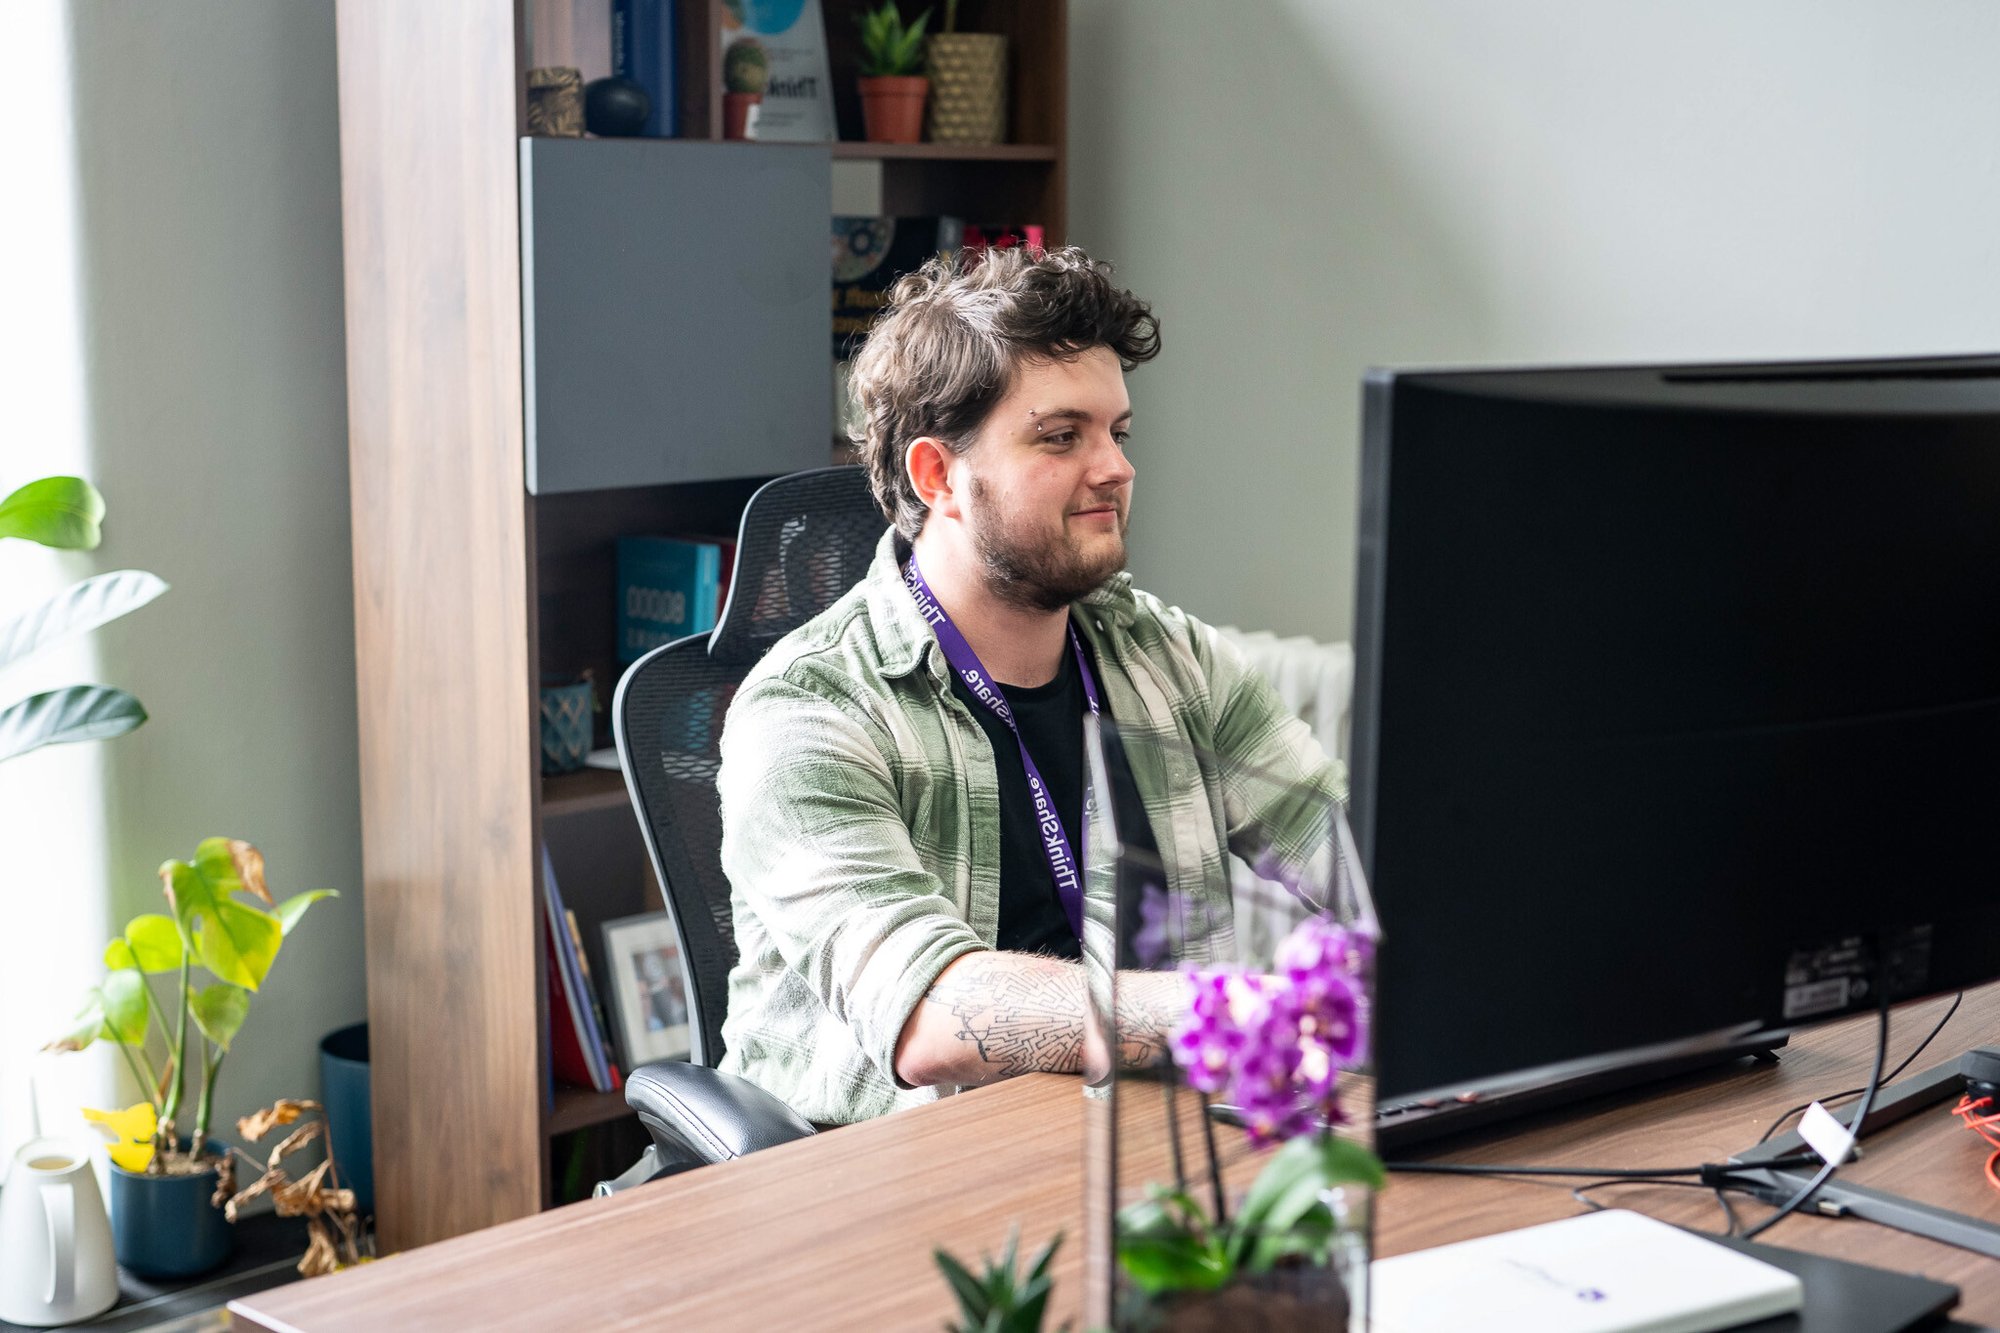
{"x": 649, "y": 988}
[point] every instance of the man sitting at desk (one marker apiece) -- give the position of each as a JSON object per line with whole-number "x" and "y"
{"x": 907, "y": 911}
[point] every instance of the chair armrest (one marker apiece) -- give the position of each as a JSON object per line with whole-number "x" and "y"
{"x": 702, "y": 1115}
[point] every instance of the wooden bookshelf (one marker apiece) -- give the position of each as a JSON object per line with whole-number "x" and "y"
{"x": 469, "y": 591}
{"x": 847, "y": 150}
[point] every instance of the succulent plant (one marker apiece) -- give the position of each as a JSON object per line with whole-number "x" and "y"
{"x": 888, "y": 49}
{"x": 999, "y": 1300}
{"x": 745, "y": 67}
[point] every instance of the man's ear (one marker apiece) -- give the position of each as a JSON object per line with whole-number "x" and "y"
{"x": 928, "y": 462}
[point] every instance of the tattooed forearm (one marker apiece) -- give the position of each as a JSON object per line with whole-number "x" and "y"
{"x": 1024, "y": 1014}
{"x": 991, "y": 1016}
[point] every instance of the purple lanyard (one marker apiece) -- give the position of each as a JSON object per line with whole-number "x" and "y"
{"x": 1063, "y": 863}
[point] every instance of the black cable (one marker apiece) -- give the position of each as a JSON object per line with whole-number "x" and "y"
{"x": 1791, "y": 1205}
{"x": 1895, "y": 1073}
{"x": 1706, "y": 1172}
{"x": 1728, "y": 1209}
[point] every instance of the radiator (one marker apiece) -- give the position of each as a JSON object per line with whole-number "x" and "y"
{"x": 1316, "y": 682}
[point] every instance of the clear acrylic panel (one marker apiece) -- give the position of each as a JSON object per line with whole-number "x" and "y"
{"x": 1230, "y": 1175}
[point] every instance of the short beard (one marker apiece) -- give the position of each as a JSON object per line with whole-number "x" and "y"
{"x": 1044, "y": 576}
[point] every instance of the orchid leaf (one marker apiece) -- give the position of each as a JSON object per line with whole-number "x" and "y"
{"x": 80, "y": 608}
{"x": 66, "y": 716}
{"x": 62, "y": 512}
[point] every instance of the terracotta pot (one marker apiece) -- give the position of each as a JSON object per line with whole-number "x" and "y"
{"x": 736, "y": 113}
{"x": 892, "y": 108}
{"x": 968, "y": 74}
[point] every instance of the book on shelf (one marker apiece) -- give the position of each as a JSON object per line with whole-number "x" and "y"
{"x": 642, "y": 50}
{"x": 984, "y": 236}
{"x": 668, "y": 588}
{"x": 786, "y": 39}
{"x": 869, "y": 254}
{"x": 599, "y": 1019}
{"x": 578, "y": 1050}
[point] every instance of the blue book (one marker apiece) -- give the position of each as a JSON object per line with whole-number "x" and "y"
{"x": 668, "y": 588}
{"x": 642, "y": 50}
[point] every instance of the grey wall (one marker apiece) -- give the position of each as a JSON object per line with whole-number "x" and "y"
{"x": 205, "y": 166}
{"x": 1309, "y": 187}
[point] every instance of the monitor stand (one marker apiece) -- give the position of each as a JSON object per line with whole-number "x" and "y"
{"x": 1405, "y": 1124}
{"x": 1836, "y": 1198}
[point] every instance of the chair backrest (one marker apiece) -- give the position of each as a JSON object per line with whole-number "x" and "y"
{"x": 806, "y": 539}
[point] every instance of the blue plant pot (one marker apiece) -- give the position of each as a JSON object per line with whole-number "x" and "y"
{"x": 165, "y": 1226}
{"x": 343, "y": 1091}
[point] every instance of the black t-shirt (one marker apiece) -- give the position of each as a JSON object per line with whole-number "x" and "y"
{"x": 1051, "y": 720}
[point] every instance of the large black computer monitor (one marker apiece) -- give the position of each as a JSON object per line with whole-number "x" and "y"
{"x": 1677, "y": 704}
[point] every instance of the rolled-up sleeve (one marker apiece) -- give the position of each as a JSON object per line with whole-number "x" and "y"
{"x": 816, "y": 845}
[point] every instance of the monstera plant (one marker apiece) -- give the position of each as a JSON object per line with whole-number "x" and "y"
{"x": 222, "y": 919}
{"x": 65, "y": 513}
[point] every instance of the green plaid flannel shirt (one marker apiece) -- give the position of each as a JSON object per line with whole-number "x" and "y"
{"x": 861, "y": 818}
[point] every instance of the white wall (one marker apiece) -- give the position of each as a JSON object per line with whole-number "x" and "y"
{"x": 203, "y": 307}
{"x": 1306, "y": 188}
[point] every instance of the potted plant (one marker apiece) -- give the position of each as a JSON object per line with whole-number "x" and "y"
{"x": 968, "y": 74}
{"x": 168, "y": 1188}
{"x": 1271, "y": 1044}
{"x": 1000, "y": 1299}
{"x": 65, "y": 513}
{"x": 892, "y": 82}
{"x": 746, "y": 74}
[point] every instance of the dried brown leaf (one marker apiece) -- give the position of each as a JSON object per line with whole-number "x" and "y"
{"x": 250, "y": 869}
{"x": 282, "y": 1112}
{"x": 321, "y": 1257}
{"x": 296, "y": 1140}
{"x": 262, "y": 1185}
{"x": 299, "y": 1198}
{"x": 225, "y": 1183}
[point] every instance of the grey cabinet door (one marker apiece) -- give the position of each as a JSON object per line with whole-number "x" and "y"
{"x": 675, "y": 310}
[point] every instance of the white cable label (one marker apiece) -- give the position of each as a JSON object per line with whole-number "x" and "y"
{"x": 1826, "y": 1136}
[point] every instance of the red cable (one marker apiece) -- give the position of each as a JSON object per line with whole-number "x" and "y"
{"x": 1986, "y": 1126}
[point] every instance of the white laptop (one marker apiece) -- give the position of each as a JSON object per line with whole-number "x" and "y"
{"x": 1603, "y": 1272}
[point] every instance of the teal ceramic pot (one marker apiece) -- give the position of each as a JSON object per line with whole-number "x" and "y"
{"x": 343, "y": 1091}
{"x": 165, "y": 1226}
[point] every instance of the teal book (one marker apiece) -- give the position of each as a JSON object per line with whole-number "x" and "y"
{"x": 668, "y": 588}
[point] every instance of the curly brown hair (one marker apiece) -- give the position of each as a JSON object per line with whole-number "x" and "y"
{"x": 945, "y": 349}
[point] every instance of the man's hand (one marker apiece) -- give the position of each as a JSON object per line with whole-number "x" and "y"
{"x": 993, "y": 1015}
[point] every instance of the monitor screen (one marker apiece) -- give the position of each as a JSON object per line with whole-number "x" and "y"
{"x": 1677, "y": 703}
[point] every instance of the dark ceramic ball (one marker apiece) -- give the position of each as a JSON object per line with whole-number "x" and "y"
{"x": 616, "y": 108}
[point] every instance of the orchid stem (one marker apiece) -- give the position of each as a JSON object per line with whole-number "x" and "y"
{"x": 1214, "y": 1163}
{"x": 1174, "y": 1129}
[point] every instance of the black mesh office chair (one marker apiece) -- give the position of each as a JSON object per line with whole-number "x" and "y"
{"x": 806, "y": 539}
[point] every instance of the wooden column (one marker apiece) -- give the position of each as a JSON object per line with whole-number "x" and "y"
{"x": 429, "y": 110}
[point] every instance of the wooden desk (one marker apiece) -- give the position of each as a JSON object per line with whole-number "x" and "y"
{"x": 837, "y": 1231}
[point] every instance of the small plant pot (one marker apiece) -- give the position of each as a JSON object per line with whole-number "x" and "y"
{"x": 566, "y": 707}
{"x": 892, "y": 108}
{"x": 166, "y": 1226}
{"x": 736, "y": 113}
{"x": 968, "y": 74}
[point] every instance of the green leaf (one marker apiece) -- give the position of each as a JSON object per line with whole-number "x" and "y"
{"x": 155, "y": 942}
{"x": 971, "y": 1296}
{"x": 219, "y": 1011}
{"x": 123, "y": 996}
{"x": 235, "y": 942}
{"x": 118, "y": 954}
{"x": 1292, "y": 1182}
{"x": 87, "y": 1028}
{"x": 231, "y": 865}
{"x": 62, "y": 512}
{"x": 294, "y": 907}
{"x": 79, "y": 608}
{"x": 73, "y": 713}
{"x": 1173, "y": 1263}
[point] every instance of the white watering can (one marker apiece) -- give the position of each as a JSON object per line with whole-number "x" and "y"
{"x": 56, "y": 1264}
